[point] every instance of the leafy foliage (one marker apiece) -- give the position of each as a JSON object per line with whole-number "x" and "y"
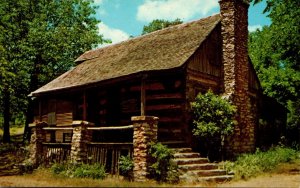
{"x": 159, "y": 24}
{"x": 94, "y": 171}
{"x": 213, "y": 119}
{"x": 126, "y": 167}
{"x": 275, "y": 53}
{"x": 163, "y": 168}
{"x": 39, "y": 40}
{"x": 251, "y": 165}
{"x": 213, "y": 116}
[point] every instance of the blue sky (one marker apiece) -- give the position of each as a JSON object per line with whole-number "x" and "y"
{"x": 123, "y": 18}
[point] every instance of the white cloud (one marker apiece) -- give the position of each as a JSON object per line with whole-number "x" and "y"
{"x": 252, "y": 28}
{"x": 172, "y": 9}
{"x": 98, "y": 2}
{"x": 100, "y": 9}
{"x": 115, "y": 35}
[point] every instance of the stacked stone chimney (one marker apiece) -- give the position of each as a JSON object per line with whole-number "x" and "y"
{"x": 234, "y": 23}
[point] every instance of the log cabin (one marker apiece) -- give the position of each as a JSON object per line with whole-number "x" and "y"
{"x": 159, "y": 74}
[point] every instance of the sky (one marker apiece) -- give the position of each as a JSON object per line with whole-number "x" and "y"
{"x": 121, "y": 19}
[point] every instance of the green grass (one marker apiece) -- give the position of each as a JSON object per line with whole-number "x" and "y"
{"x": 16, "y": 133}
{"x": 44, "y": 177}
{"x": 94, "y": 171}
{"x": 251, "y": 165}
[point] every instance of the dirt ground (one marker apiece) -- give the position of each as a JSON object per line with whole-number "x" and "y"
{"x": 270, "y": 180}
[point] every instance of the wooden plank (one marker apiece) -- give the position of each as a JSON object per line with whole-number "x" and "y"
{"x": 40, "y": 110}
{"x": 176, "y": 119}
{"x": 84, "y": 110}
{"x": 57, "y": 128}
{"x": 203, "y": 80}
{"x": 170, "y": 130}
{"x": 143, "y": 97}
{"x": 110, "y": 128}
{"x": 165, "y": 96}
{"x": 110, "y": 143}
{"x": 163, "y": 107}
{"x": 56, "y": 144}
{"x": 64, "y": 118}
{"x": 149, "y": 86}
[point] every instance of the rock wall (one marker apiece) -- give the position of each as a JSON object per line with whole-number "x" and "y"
{"x": 38, "y": 136}
{"x": 81, "y": 136}
{"x": 236, "y": 72}
{"x": 144, "y": 132}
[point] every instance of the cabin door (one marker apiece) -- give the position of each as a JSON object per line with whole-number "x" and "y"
{"x": 113, "y": 106}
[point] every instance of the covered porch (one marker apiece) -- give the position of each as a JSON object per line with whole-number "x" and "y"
{"x": 113, "y": 103}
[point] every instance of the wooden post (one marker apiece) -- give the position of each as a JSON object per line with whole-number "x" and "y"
{"x": 84, "y": 106}
{"x": 40, "y": 110}
{"x": 143, "y": 95}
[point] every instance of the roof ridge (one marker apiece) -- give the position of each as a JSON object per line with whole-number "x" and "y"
{"x": 81, "y": 58}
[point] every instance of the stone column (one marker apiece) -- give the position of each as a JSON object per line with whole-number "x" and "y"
{"x": 144, "y": 132}
{"x": 234, "y": 27}
{"x": 38, "y": 136}
{"x": 81, "y": 137}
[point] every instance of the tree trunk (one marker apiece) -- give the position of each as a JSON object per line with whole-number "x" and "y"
{"x": 33, "y": 85}
{"x": 6, "y": 114}
{"x": 29, "y": 119}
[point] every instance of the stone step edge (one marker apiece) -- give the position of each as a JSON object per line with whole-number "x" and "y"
{"x": 192, "y": 158}
{"x": 205, "y": 173}
{"x": 221, "y": 178}
{"x": 182, "y": 150}
{"x": 187, "y": 167}
{"x": 188, "y": 153}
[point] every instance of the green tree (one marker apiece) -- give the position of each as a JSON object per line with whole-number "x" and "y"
{"x": 158, "y": 24}
{"x": 41, "y": 39}
{"x": 275, "y": 53}
{"x": 213, "y": 120}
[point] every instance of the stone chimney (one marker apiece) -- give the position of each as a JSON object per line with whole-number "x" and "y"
{"x": 234, "y": 23}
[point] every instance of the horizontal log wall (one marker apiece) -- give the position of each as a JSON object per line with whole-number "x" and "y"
{"x": 203, "y": 72}
{"x": 55, "y": 111}
{"x": 204, "y": 69}
{"x": 165, "y": 99}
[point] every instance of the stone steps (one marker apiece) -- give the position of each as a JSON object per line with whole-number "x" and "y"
{"x": 186, "y": 155}
{"x": 194, "y": 168}
{"x": 187, "y": 161}
{"x": 216, "y": 178}
{"x": 203, "y": 166}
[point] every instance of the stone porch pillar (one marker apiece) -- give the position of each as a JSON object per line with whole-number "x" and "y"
{"x": 144, "y": 132}
{"x": 38, "y": 136}
{"x": 81, "y": 137}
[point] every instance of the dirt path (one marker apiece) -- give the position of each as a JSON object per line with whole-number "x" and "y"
{"x": 271, "y": 180}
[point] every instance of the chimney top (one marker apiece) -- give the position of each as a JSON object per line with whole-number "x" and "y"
{"x": 247, "y": 2}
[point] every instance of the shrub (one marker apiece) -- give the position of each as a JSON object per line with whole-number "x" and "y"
{"x": 213, "y": 119}
{"x": 162, "y": 168}
{"x": 8, "y": 147}
{"x": 58, "y": 168}
{"x": 126, "y": 167}
{"x": 95, "y": 171}
{"x": 250, "y": 165}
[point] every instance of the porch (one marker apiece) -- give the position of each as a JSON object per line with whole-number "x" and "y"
{"x": 113, "y": 105}
{"x": 75, "y": 143}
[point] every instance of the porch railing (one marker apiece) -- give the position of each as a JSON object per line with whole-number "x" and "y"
{"x": 105, "y": 153}
{"x": 75, "y": 143}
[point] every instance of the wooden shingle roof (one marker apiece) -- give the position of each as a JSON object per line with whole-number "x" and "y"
{"x": 161, "y": 50}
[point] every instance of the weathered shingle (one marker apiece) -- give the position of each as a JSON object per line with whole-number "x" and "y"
{"x": 165, "y": 49}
